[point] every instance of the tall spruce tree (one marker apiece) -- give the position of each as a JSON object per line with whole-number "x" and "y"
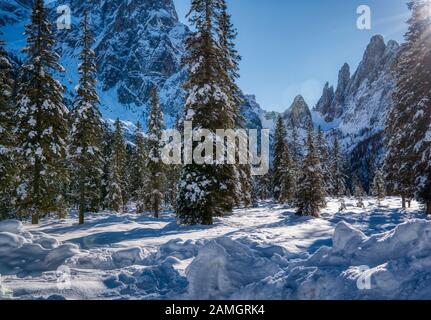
{"x": 139, "y": 172}
{"x": 106, "y": 157}
{"x": 205, "y": 191}
{"x": 283, "y": 174}
{"x": 116, "y": 198}
{"x": 41, "y": 123}
{"x": 408, "y": 127}
{"x": 7, "y": 166}
{"x": 156, "y": 168}
{"x": 311, "y": 193}
{"x": 86, "y": 131}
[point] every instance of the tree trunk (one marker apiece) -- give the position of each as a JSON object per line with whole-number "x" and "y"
{"x": 429, "y": 207}
{"x": 35, "y": 218}
{"x": 81, "y": 201}
{"x": 81, "y": 214}
{"x": 35, "y": 215}
{"x": 207, "y": 217}
{"x": 156, "y": 207}
{"x": 403, "y": 202}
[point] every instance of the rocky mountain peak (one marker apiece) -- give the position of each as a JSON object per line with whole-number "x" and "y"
{"x": 299, "y": 114}
{"x": 343, "y": 81}
{"x": 371, "y": 63}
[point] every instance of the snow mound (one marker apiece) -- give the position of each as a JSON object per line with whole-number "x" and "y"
{"x": 391, "y": 265}
{"x": 128, "y": 257}
{"x": 179, "y": 249}
{"x": 223, "y": 266}
{"x": 150, "y": 282}
{"x": 23, "y": 253}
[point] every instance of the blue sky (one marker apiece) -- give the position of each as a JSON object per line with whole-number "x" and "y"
{"x": 292, "y": 47}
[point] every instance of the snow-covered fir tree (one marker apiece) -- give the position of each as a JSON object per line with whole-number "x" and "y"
{"x": 7, "y": 166}
{"x": 408, "y": 126}
{"x": 171, "y": 183}
{"x": 263, "y": 186}
{"x": 205, "y": 191}
{"x": 156, "y": 168}
{"x": 106, "y": 158}
{"x": 337, "y": 166}
{"x": 41, "y": 123}
{"x": 116, "y": 198}
{"x": 399, "y": 163}
{"x": 358, "y": 192}
{"x": 311, "y": 192}
{"x": 245, "y": 192}
{"x": 378, "y": 188}
{"x": 296, "y": 155}
{"x": 86, "y": 131}
{"x": 138, "y": 171}
{"x": 324, "y": 153}
{"x": 283, "y": 175}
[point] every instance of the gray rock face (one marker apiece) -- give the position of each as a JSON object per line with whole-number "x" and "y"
{"x": 298, "y": 115}
{"x": 331, "y": 104}
{"x": 324, "y": 104}
{"x": 358, "y": 116}
{"x": 371, "y": 65}
{"x": 359, "y": 106}
{"x": 139, "y": 43}
{"x": 13, "y": 12}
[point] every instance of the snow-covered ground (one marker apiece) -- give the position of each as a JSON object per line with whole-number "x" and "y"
{"x": 380, "y": 252}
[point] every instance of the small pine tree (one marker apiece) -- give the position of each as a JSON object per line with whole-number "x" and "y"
{"x": 139, "y": 174}
{"x": 358, "y": 192}
{"x": 41, "y": 123}
{"x": 338, "y": 180}
{"x": 7, "y": 166}
{"x": 156, "y": 168}
{"x": 86, "y": 148}
{"x": 106, "y": 158}
{"x": 263, "y": 186}
{"x": 246, "y": 186}
{"x": 379, "y": 187}
{"x": 116, "y": 188}
{"x": 311, "y": 193}
{"x": 171, "y": 183}
{"x": 283, "y": 173}
{"x": 324, "y": 152}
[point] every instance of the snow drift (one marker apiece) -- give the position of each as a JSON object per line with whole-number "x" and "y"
{"x": 224, "y": 266}
{"x": 23, "y": 253}
{"x": 391, "y": 265}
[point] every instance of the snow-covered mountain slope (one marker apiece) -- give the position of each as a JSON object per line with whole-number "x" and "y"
{"x": 138, "y": 44}
{"x": 357, "y": 108}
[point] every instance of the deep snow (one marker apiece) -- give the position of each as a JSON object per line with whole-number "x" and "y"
{"x": 380, "y": 252}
